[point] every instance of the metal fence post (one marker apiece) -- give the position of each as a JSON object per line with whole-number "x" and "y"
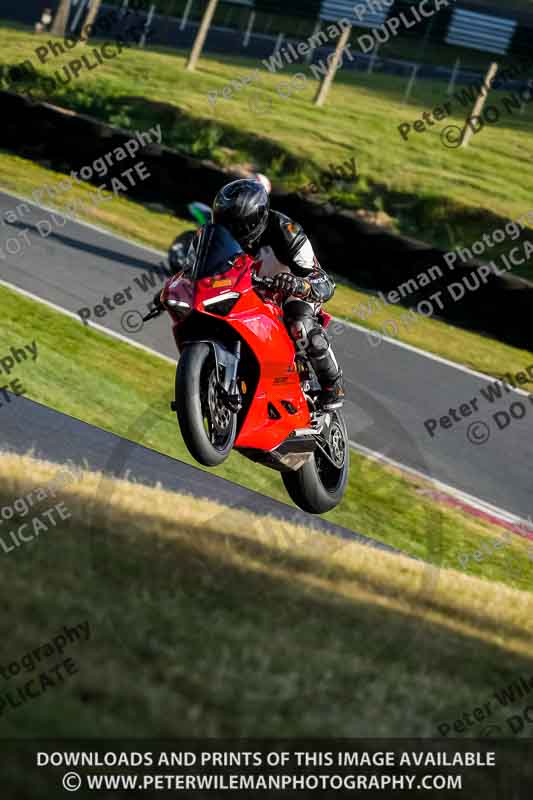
{"x": 453, "y": 77}
{"x": 249, "y": 28}
{"x": 373, "y": 57}
{"x": 411, "y": 84}
{"x": 186, "y": 14}
{"x": 147, "y": 24}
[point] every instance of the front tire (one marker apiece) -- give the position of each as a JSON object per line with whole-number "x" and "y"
{"x": 320, "y": 485}
{"x": 209, "y": 428}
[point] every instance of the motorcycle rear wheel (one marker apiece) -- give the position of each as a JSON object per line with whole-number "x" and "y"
{"x": 209, "y": 428}
{"x": 319, "y": 485}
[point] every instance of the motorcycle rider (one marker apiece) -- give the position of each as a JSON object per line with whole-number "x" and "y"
{"x": 283, "y": 252}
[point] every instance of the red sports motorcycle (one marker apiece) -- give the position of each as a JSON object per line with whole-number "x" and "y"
{"x": 240, "y": 382}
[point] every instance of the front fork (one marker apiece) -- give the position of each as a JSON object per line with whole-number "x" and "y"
{"x": 230, "y": 390}
{"x": 227, "y": 369}
{"x": 226, "y": 383}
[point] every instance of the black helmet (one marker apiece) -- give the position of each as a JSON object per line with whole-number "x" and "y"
{"x": 242, "y": 207}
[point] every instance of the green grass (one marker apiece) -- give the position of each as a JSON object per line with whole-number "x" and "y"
{"x": 157, "y": 228}
{"x": 181, "y": 609}
{"x": 144, "y": 223}
{"x": 479, "y": 352}
{"x": 112, "y": 385}
{"x": 181, "y": 594}
{"x": 408, "y": 45}
{"x": 448, "y": 197}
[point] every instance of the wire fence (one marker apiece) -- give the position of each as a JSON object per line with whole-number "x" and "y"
{"x": 442, "y": 48}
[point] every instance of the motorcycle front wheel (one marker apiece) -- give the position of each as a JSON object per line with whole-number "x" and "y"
{"x": 320, "y": 484}
{"x": 208, "y": 427}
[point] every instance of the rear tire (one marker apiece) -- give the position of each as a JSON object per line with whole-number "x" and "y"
{"x": 319, "y": 486}
{"x": 208, "y": 428}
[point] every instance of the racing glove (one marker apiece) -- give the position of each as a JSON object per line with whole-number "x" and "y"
{"x": 289, "y": 284}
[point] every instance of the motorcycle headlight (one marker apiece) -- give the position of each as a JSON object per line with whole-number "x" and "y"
{"x": 222, "y": 304}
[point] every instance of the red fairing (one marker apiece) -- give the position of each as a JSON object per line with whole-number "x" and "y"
{"x": 259, "y": 323}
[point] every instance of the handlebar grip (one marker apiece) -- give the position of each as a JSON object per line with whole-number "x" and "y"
{"x": 155, "y": 312}
{"x": 266, "y": 282}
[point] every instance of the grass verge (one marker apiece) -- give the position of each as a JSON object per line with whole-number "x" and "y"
{"x": 480, "y": 353}
{"x": 114, "y": 386}
{"x": 437, "y": 193}
{"x": 157, "y": 229}
{"x": 181, "y": 595}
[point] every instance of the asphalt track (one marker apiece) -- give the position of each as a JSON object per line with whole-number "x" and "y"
{"x": 65, "y": 440}
{"x": 392, "y": 389}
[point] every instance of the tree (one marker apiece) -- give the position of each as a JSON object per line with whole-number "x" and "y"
{"x": 59, "y": 25}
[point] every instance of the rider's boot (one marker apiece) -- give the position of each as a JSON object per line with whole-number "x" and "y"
{"x": 332, "y": 394}
{"x": 326, "y": 369}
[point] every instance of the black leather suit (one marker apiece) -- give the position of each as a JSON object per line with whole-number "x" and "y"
{"x": 285, "y": 247}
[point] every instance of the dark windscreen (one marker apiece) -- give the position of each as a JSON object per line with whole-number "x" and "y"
{"x": 217, "y": 250}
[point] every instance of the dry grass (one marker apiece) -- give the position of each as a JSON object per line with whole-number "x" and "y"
{"x": 133, "y": 402}
{"x": 207, "y": 621}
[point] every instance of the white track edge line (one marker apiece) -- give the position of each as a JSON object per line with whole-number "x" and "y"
{"x": 475, "y": 502}
{"x": 454, "y": 492}
{"x": 390, "y": 340}
{"x": 91, "y": 325}
{"x": 432, "y": 356}
{"x": 79, "y": 221}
